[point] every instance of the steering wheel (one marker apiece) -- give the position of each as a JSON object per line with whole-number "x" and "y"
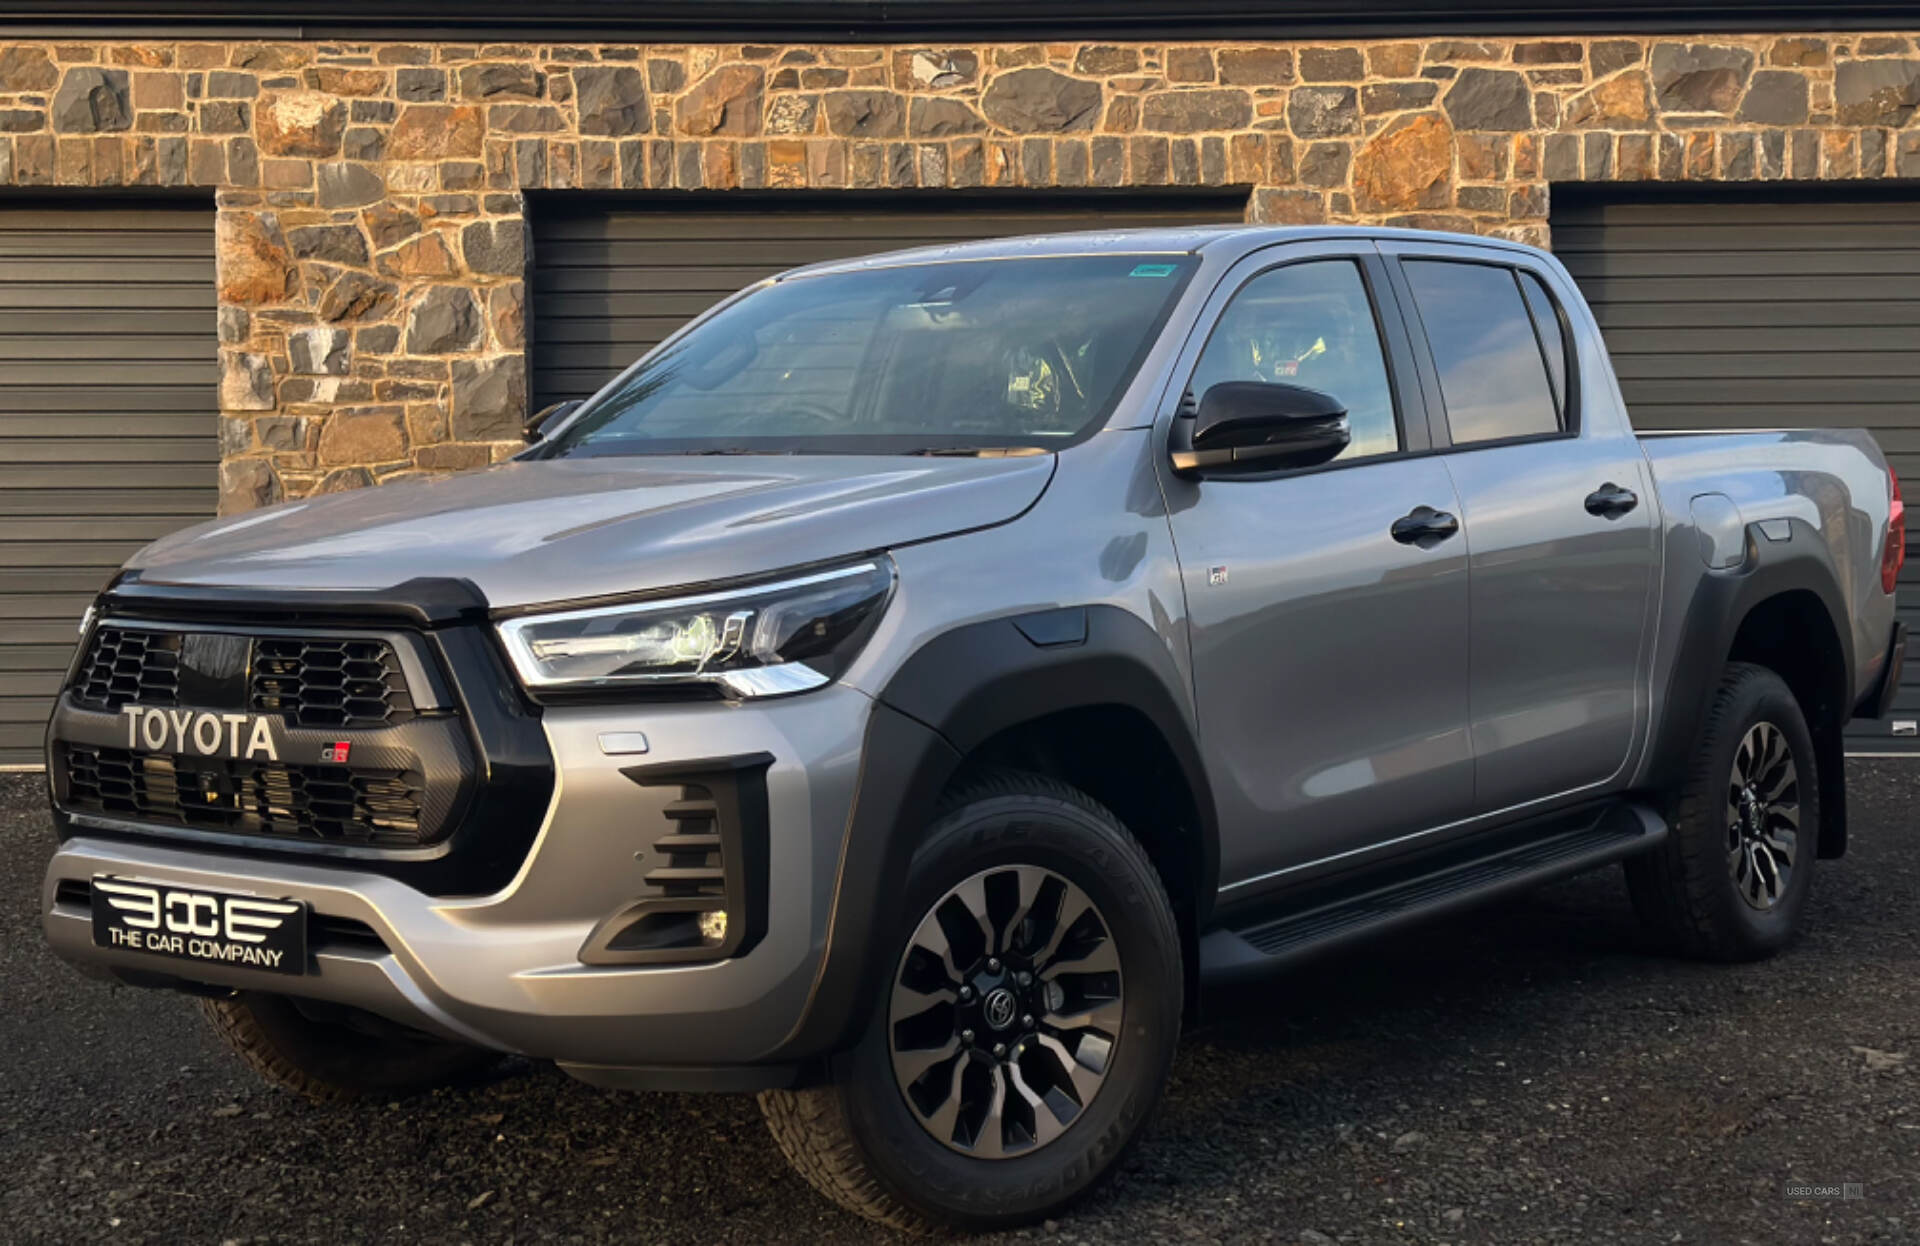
{"x": 1054, "y": 403}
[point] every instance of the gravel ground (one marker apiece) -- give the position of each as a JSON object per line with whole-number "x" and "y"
{"x": 1528, "y": 1073}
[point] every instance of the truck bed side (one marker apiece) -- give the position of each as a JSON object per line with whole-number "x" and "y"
{"x": 1746, "y": 515}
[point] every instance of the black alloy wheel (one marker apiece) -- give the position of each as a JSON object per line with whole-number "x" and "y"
{"x": 1005, "y": 1012}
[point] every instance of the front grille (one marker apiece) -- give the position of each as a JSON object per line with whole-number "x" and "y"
{"x": 324, "y": 804}
{"x": 313, "y": 681}
{"x": 130, "y": 666}
{"x": 329, "y": 683}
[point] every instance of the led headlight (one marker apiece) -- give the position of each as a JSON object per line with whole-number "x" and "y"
{"x": 764, "y": 640}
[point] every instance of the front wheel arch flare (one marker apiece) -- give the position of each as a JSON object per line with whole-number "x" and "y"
{"x": 983, "y": 680}
{"x": 958, "y": 691}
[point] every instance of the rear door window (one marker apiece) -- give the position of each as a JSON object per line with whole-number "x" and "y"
{"x": 1493, "y": 374}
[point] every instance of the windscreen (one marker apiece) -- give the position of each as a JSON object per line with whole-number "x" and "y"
{"x": 963, "y": 355}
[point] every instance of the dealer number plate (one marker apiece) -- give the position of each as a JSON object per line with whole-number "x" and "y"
{"x": 186, "y": 923}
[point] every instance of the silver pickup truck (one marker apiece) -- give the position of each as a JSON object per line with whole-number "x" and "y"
{"x": 899, "y": 692}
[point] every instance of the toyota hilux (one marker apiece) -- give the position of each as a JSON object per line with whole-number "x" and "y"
{"x": 901, "y": 690}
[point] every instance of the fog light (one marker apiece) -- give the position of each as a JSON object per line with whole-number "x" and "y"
{"x": 713, "y": 925}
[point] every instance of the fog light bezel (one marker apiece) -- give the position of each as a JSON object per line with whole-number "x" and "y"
{"x": 630, "y": 935}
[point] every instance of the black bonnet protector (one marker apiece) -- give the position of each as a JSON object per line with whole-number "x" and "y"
{"x": 423, "y": 602}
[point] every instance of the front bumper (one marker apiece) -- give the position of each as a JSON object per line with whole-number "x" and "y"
{"x": 505, "y": 969}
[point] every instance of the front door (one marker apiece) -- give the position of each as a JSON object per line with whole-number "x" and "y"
{"x": 1559, "y": 501}
{"x": 1329, "y": 656}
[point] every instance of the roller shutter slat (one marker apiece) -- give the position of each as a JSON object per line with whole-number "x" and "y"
{"x": 1800, "y": 315}
{"x": 39, "y": 657}
{"x": 86, "y": 475}
{"x": 44, "y": 684}
{"x": 98, "y": 397}
{"x": 104, "y": 451}
{"x": 55, "y": 346}
{"x": 55, "y": 294}
{"x": 143, "y": 427}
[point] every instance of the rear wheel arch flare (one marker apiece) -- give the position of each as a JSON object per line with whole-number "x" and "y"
{"x": 1792, "y": 634}
{"x": 1778, "y": 611}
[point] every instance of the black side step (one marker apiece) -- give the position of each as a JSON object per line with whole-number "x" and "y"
{"x": 1371, "y": 907}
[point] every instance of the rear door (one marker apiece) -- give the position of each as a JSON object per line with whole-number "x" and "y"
{"x": 1329, "y": 657}
{"x": 1560, "y": 516}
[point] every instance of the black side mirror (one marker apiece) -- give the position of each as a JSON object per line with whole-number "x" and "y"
{"x": 552, "y": 413}
{"x": 1252, "y": 426}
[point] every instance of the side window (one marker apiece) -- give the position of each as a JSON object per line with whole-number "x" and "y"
{"x": 1553, "y": 340}
{"x": 1492, "y": 373}
{"x": 1312, "y": 325}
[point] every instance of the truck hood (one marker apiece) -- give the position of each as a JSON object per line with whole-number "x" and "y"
{"x": 539, "y": 531}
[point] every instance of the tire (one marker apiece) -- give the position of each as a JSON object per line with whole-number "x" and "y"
{"x": 861, "y": 1140}
{"x": 1686, "y": 891}
{"x": 327, "y": 1061}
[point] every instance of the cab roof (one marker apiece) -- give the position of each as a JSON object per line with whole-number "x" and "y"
{"x": 1230, "y": 241}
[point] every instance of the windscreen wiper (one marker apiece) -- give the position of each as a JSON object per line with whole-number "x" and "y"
{"x": 977, "y": 452}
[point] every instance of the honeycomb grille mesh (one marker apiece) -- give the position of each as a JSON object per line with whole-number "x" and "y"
{"x": 320, "y": 682}
{"x": 330, "y": 804}
{"x": 127, "y": 666}
{"x": 329, "y": 683}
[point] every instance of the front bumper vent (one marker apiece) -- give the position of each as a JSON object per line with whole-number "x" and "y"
{"x": 705, "y": 879}
{"x": 690, "y": 856}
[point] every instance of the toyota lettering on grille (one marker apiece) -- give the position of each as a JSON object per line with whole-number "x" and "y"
{"x": 200, "y": 732}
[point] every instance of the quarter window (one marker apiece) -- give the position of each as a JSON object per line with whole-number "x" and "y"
{"x": 1492, "y": 371}
{"x": 1311, "y": 325}
{"x": 1552, "y": 340}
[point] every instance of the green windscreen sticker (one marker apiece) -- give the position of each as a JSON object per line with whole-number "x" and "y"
{"x": 1152, "y": 270}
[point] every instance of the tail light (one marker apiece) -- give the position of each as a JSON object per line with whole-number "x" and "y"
{"x": 1893, "y": 555}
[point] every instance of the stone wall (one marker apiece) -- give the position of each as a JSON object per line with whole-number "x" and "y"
{"x": 371, "y": 230}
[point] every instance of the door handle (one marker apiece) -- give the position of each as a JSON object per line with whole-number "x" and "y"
{"x": 1425, "y": 527}
{"x": 1610, "y": 501}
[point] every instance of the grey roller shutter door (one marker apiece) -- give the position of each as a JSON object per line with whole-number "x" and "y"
{"x": 612, "y": 280}
{"x": 1758, "y": 312}
{"x": 108, "y": 401}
